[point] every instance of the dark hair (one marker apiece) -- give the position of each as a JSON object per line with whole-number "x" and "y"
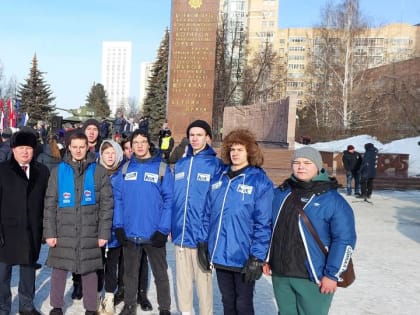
{"x": 77, "y": 135}
{"x": 140, "y": 132}
{"x": 246, "y": 138}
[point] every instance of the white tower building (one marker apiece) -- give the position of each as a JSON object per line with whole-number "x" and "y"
{"x": 145, "y": 74}
{"x": 116, "y": 73}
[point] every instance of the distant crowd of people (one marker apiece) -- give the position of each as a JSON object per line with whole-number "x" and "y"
{"x": 106, "y": 208}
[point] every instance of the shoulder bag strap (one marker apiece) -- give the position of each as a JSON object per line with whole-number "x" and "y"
{"x": 312, "y": 230}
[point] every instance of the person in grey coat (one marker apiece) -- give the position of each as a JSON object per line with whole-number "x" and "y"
{"x": 77, "y": 222}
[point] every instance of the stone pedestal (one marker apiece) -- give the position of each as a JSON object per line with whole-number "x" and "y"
{"x": 192, "y": 63}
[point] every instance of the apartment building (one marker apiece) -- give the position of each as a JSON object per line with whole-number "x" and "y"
{"x": 145, "y": 75}
{"x": 296, "y": 48}
{"x": 116, "y": 73}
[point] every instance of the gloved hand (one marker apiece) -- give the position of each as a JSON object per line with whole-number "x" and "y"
{"x": 253, "y": 269}
{"x": 203, "y": 256}
{"x": 121, "y": 236}
{"x": 159, "y": 239}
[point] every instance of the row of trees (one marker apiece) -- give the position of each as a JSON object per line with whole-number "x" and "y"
{"x": 339, "y": 99}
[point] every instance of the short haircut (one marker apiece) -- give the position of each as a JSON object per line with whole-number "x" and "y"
{"x": 78, "y": 135}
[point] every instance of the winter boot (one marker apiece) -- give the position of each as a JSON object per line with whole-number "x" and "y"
{"x": 56, "y": 311}
{"x": 164, "y": 312}
{"x": 144, "y": 301}
{"x": 119, "y": 296}
{"x": 77, "y": 293}
{"x": 107, "y": 304}
{"x": 129, "y": 310}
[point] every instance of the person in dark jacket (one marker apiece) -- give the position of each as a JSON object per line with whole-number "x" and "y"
{"x": 5, "y": 149}
{"x": 23, "y": 183}
{"x": 179, "y": 151}
{"x": 77, "y": 222}
{"x": 368, "y": 170}
{"x": 143, "y": 194}
{"x": 193, "y": 174}
{"x": 237, "y": 222}
{"x": 352, "y": 161}
{"x": 304, "y": 279}
{"x": 51, "y": 155}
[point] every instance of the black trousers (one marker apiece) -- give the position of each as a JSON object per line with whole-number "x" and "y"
{"x": 159, "y": 266}
{"x": 237, "y": 296}
{"x": 26, "y": 289}
{"x": 114, "y": 271}
{"x": 366, "y": 185}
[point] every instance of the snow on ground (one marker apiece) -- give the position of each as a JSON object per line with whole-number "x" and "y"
{"x": 386, "y": 258}
{"x": 407, "y": 146}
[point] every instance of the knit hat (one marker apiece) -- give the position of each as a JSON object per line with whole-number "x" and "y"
{"x": 89, "y": 122}
{"x": 310, "y": 154}
{"x": 201, "y": 124}
{"x": 7, "y": 133}
{"x": 22, "y": 138}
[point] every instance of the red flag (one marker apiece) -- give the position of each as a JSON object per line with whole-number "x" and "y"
{"x": 1, "y": 105}
{"x": 11, "y": 113}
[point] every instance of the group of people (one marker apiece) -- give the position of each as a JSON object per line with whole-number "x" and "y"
{"x": 106, "y": 206}
{"x": 360, "y": 169}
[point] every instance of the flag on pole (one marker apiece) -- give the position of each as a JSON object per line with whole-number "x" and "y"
{"x": 1, "y": 114}
{"x": 11, "y": 113}
{"x": 1, "y": 120}
{"x": 24, "y": 119}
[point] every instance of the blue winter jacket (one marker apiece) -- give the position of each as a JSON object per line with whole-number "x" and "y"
{"x": 193, "y": 175}
{"x": 333, "y": 219}
{"x": 237, "y": 221}
{"x": 142, "y": 200}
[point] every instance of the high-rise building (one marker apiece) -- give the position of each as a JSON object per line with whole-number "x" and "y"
{"x": 116, "y": 73}
{"x": 145, "y": 74}
{"x": 248, "y": 25}
{"x": 297, "y": 47}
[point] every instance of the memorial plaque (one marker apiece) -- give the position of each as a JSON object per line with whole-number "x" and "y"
{"x": 191, "y": 63}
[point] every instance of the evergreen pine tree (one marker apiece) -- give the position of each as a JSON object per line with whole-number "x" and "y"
{"x": 36, "y": 95}
{"x": 98, "y": 101}
{"x": 155, "y": 101}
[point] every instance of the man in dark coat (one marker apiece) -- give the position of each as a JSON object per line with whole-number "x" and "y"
{"x": 352, "y": 161}
{"x": 368, "y": 170}
{"x": 23, "y": 183}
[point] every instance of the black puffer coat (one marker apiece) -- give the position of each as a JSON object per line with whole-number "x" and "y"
{"x": 21, "y": 211}
{"x": 78, "y": 228}
{"x": 369, "y": 162}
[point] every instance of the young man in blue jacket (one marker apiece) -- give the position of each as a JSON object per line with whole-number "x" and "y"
{"x": 142, "y": 219}
{"x": 193, "y": 174}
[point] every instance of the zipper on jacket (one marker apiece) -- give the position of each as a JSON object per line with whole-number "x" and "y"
{"x": 186, "y": 202}
{"x": 220, "y": 222}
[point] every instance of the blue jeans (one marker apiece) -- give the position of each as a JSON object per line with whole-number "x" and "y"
{"x": 350, "y": 175}
{"x": 26, "y": 290}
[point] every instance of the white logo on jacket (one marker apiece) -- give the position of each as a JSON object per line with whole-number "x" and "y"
{"x": 150, "y": 177}
{"x": 179, "y": 175}
{"x": 203, "y": 177}
{"x": 245, "y": 189}
{"x": 216, "y": 185}
{"x": 131, "y": 176}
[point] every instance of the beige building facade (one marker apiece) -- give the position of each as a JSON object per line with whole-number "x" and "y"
{"x": 379, "y": 46}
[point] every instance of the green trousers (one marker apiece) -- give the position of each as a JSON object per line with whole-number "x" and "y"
{"x": 295, "y": 296}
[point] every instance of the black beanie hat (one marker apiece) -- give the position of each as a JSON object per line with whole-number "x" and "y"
{"x": 93, "y": 122}
{"x": 23, "y": 138}
{"x": 201, "y": 124}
